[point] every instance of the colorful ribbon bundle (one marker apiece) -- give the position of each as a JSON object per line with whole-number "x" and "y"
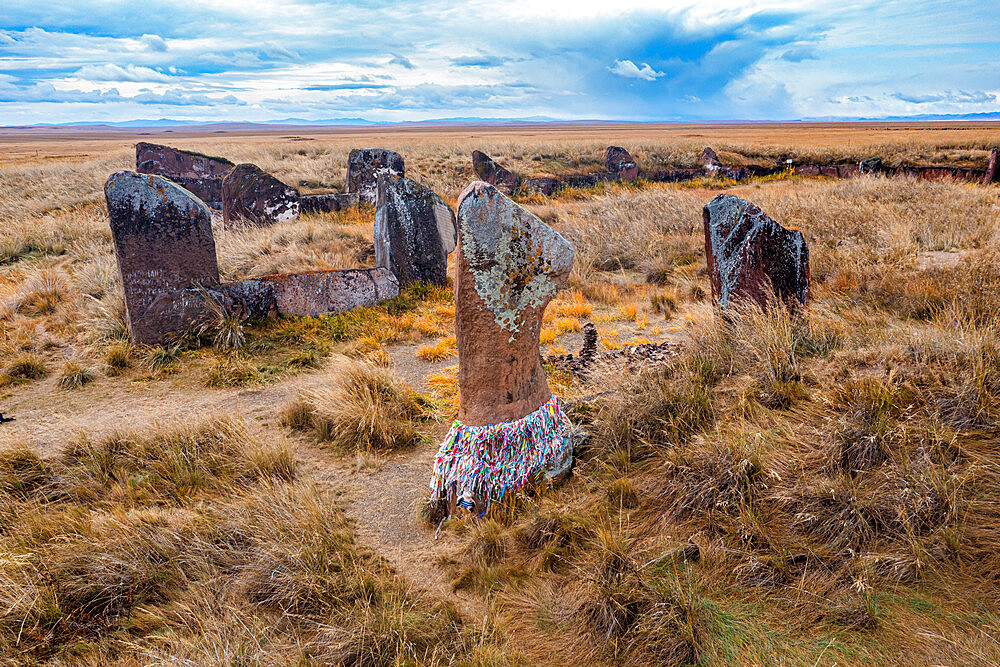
{"x": 482, "y": 463}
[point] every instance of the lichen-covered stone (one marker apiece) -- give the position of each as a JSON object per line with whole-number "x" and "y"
{"x": 328, "y": 203}
{"x": 509, "y": 266}
{"x": 313, "y": 293}
{"x": 489, "y": 171}
{"x": 364, "y": 165}
{"x": 164, "y": 244}
{"x": 200, "y": 174}
{"x": 251, "y": 196}
{"x": 748, "y": 254}
{"x": 620, "y": 164}
{"x": 414, "y": 231}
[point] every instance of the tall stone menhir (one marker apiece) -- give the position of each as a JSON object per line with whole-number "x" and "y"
{"x": 510, "y": 429}
{"x": 414, "y": 231}
{"x": 164, "y": 245}
{"x": 749, "y": 254}
{"x": 364, "y": 165}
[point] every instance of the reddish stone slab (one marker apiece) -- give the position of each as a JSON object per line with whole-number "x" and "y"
{"x": 489, "y": 171}
{"x": 510, "y": 265}
{"x": 414, "y": 231}
{"x": 314, "y": 293}
{"x": 620, "y": 164}
{"x": 746, "y": 250}
{"x": 251, "y": 196}
{"x": 200, "y": 174}
{"x": 364, "y": 165}
{"x": 164, "y": 244}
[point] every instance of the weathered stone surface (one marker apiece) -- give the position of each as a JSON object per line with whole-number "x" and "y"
{"x": 201, "y": 174}
{"x": 541, "y": 186}
{"x": 620, "y": 163}
{"x": 489, "y": 171}
{"x": 414, "y": 231}
{"x": 251, "y": 196}
{"x": 509, "y": 267}
{"x": 993, "y": 169}
{"x": 673, "y": 175}
{"x": 329, "y": 203}
{"x": 364, "y": 165}
{"x": 164, "y": 244}
{"x": 872, "y": 165}
{"x": 710, "y": 160}
{"x": 746, "y": 250}
{"x": 313, "y": 293}
{"x": 806, "y": 169}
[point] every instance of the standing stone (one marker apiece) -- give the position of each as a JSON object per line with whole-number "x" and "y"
{"x": 489, "y": 171}
{"x": 251, "y": 196}
{"x": 620, "y": 163}
{"x": 201, "y": 174}
{"x": 993, "y": 170}
{"x": 414, "y": 231}
{"x": 511, "y": 431}
{"x": 510, "y": 265}
{"x": 364, "y": 166}
{"x": 164, "y": 244}
{"x": 710, "y": 160}
{"x": 746, "y": 249}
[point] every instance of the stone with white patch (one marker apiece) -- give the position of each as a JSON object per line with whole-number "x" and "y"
{"x": 510, "y": 265}
{"x": 750, "y": 255}
{"x": 252, "y": 197}
{"x": 414, "y": 231}
{"x": 620, "y": 164}
{"x": 164, "y": 245}
{"x": 365, "y": 165}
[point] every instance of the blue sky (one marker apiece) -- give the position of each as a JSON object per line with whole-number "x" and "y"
{"x": 98, "y": 60}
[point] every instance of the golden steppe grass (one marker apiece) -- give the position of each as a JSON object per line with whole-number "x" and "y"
{"x": 799, "y": 489}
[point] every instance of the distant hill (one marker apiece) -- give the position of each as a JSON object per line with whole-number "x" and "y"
{"x": 444, "y": 122}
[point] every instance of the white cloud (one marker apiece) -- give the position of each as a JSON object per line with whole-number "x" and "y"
{"x": 630, "y": 70}
{"x": 111, "y": 72}
{"x": 154, "y": 43}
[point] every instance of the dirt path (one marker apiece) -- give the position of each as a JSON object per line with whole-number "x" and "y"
{"x": 381, "y": 496}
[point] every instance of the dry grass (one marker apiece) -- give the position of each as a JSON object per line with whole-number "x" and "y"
{"x": 199, "y": 546}
{"x": 792, "y": 489}
{"x": 367, "y": 409}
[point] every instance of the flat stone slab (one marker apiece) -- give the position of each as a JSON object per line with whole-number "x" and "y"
{"x": 164, "y": 244}
{"x": 313, "y": 293}
{"x": 415, "y": 231}
{"x": 748, "y": 254}
{"x": 365, "y": 165}
{"x": 542, "y": 185}
{"x": 201, "y": 174}
{"x": 251, "y": 196}
{"x": 510, "y": 265}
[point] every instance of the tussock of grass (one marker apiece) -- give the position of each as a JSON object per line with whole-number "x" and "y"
{"x": 26, "y": 366}
{"x": 439, "y": 351}
{"x": 366, "y": 409}
{"x": 74, "y": 375}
